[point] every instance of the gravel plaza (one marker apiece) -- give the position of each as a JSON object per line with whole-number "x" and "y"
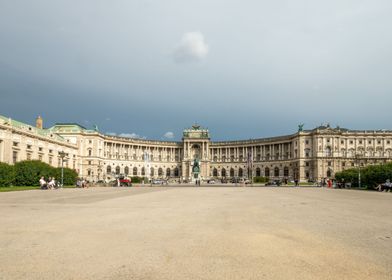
{"x": 196, "y": 233}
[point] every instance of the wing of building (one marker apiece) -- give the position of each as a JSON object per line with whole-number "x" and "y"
{"x": 303, "y": 155}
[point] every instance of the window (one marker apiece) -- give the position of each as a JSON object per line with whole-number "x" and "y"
{"x": 40, "y": 157}
{"x": 378, "y": 142}
{"x": 360, "y": 141}
{"x": 89, "y": 152}
{"x": 258, "y": 172}
{"x": 89, "y": 162}
{"x": 231, "y": 172}
{"x": 223, "y": 173}
{"x": 29, "y": 147}
{"x": 266, "y": 172}
{"x": 14, "y": 156}
{"x": 343, "y": 164}
{"x": 240, "y": 172}
{"x": 342, "y": 142}
{"x": 50, "y": 160}
{"x": 89, "y": 172}
{"x": 134, "y": 171}
{"x": 306, "y": 142}
{"x": 307, "y": 163}
{"x": 286, "y": 172}
{"x": 50, "y": 151}
{"x": 388, "y": 142}
{"x": 351, "y": 142}
{"x": 90, "y": 141}
{"x": 40, "y": 149}
{"x": 370, "y": 141}
{"x": 118, "y": 170}
{"x": 276, "y": 172}
{"x": 168, "y": 172}
{"x": 329, "y": 163}
{"x": 126, "y": 170}
{"x": 108, "y": 169}
{"x": 28, "y": 156}
{"x": 15, "y": 144}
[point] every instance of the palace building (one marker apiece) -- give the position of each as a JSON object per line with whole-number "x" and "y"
{"x": 304, "y": 155}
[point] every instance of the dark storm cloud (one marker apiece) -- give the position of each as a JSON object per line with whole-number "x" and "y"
{"x": 272, "y": 64}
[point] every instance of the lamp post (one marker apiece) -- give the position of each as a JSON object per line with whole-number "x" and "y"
{"x": 357, "y": 158}
{"x": 62, "y": 156}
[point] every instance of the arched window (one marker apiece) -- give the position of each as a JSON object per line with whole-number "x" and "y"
{"x": 118, "y": 170}
{"x": 286, "y": 171}
{"x": 328, "y": 151}
{"x": 266, "y": 172}
{"x": 223, "y": 173}
{"x": 143, "y": 171}
{"x": 126, "y": 170}
{"x": 276, "y": 172}
{"x": 89, "y": 152}
{"x": 134, "y": 171}
{"x": 108, "y": 169}
{"x": 231, "y": 172}
{"x": 176, "y": 172}
{"x": 240, "y": 172}
{"x": 215, "y": 172}
{"x": 258, "y": 172}
{"x": 160, "y": 172}
{"x": 168, "y": 172}
{"x": 152, "y": 171}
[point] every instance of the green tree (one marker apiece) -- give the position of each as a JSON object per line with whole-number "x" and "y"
{"x": 70, "y": 176}
{"x": 7, "y": 174}
{"x": 28, "y": 172}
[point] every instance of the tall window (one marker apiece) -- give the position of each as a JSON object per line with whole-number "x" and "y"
{"x": 231, "y": 172}
{"x": 134, "y": 171}
{"x": 14, "y": 156}
{"x": 258, "y": 172}
{"x": 276, "y": 172}
{"x": 223, "y": 173}
{"x": 286, "y": 172}
{"x": 266, "y": 172}
{"x": 126, "y": 170}
{"x": 215, "y": 172}
{"x": 118, "y": 170}
{"x": 168, "y": 172}
{"x": 240, "y": 172}
{"x": 108, "y": 169}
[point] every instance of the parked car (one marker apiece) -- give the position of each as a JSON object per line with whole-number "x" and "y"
{"x": 157, "y": 182}
{"x": 273, "y": 183}
{"x": 211, "y": 181}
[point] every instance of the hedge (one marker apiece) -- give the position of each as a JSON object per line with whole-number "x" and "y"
{"x": 7, "y": 174}
{"x": 371, "y": 175}
{"x": 28, "y": 173}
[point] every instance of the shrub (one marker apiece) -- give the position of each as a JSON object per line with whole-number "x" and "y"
{"x": 28, "y": 172}
{"x": 371, "y": 175}
{"x": 136, "y": 179}
{"x": 70, "y": 176}
{"x": 260, "y": 179}
{"x": 7, "y": 174}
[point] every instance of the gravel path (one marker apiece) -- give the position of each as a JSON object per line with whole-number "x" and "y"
{"x": 196, "y": 233}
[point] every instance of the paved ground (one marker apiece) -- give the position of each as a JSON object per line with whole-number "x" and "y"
{"x": 196, "y": 233}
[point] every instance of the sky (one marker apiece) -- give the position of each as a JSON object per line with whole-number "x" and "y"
{"x": 243, "y": 69}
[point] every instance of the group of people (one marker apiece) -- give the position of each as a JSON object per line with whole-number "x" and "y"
{"x": 50, "y": 184}
{"x": 81, "y": 183}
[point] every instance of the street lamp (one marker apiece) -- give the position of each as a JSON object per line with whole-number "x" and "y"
{"x": 357, "y": 159}
{"x": 62, "y": 156}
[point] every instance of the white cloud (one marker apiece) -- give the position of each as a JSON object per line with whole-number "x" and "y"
{"x": 191, "y": 48}
{"x": 169, "y": 135}
{"x": 131, "y": 135}
{"x": 127, "y": 135}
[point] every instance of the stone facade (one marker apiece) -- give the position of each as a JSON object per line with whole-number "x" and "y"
{"x": 306, "y": 154}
